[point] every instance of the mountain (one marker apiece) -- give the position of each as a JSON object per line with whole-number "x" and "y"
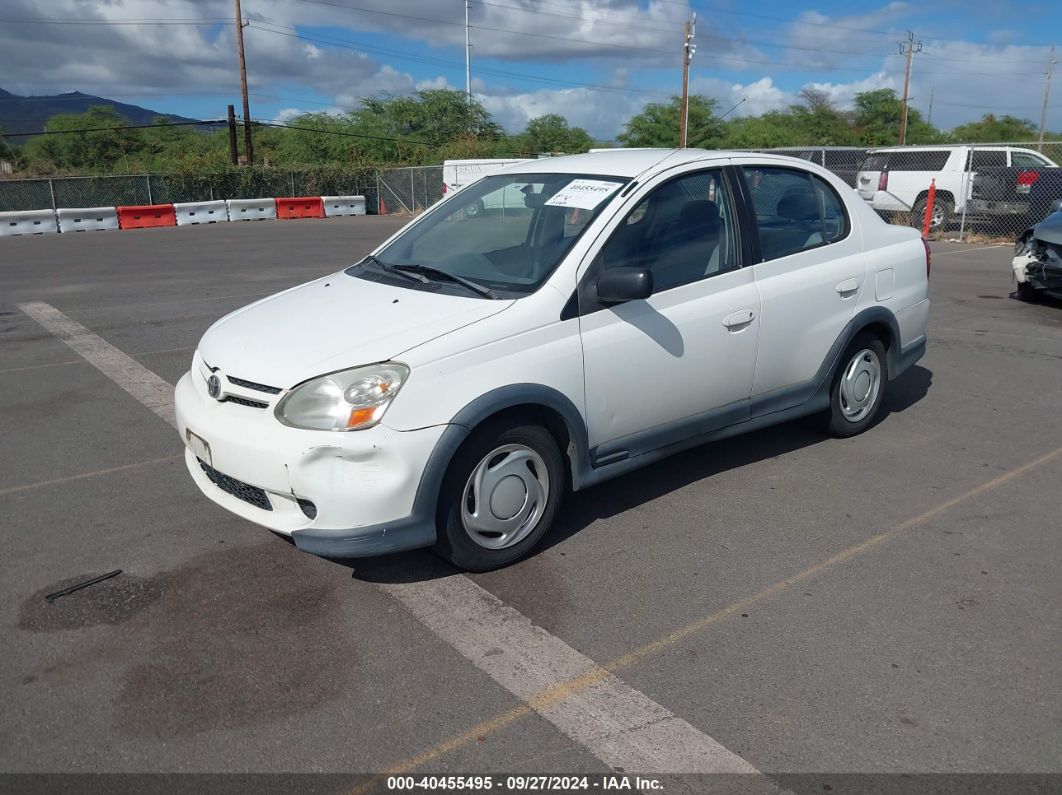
{"x": 28, "y": 114}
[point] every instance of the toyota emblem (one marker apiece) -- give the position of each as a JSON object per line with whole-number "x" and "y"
{"x": 214, "y": 386}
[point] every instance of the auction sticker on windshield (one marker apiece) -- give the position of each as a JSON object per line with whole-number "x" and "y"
{"x": 585, "y": 194}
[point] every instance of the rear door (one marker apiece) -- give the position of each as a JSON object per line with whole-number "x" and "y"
{"x": 809, "y": 271}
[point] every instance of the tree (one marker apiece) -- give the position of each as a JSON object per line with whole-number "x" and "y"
{"x": 6, "y": 152}
{"x": 658, "y": 124}
{"x": 101, "y": 143}
{"x": 877, "y": 117}
{"x": 995, "y": 130}
{"x": 551, "y": 133}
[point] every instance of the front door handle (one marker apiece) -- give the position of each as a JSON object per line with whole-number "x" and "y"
{"x": 739, "y": 319}
{"x": 847, "y": 287}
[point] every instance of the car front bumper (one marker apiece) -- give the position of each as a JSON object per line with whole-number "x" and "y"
{"x": 338, "y": 494}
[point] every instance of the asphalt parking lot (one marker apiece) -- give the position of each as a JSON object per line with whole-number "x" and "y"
{"x": 889, "y": 603}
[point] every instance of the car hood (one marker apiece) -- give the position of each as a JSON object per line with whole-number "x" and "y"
{"x": 1049, "y": 230}
{"x": 330, "y": 324}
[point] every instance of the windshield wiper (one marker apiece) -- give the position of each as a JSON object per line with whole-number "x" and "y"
{"x": 429, "y": 272}
{"x": 389, "y": 268}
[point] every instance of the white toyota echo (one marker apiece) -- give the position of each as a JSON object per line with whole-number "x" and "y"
{"x": 450, "y": 387}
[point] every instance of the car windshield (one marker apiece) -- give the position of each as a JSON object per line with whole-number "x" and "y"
{"x": 506, "y": 233}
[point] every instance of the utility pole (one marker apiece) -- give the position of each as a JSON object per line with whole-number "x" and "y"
{"x": 1047, "y": 94}
{"x": 929, "y": 118}
{"x": 908, "y": 48}
{"x": 247, "y": 145}
{"x": 468, "y": 58}
{"x": 234, "y": 152}
{"x": 688, "y": 48}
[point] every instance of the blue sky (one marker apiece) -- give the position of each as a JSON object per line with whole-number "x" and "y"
{"x": 595, "y": 61}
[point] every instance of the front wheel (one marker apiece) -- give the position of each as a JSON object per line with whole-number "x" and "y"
{"x": 858, "y": 387}
{"x": 499, "y": 497}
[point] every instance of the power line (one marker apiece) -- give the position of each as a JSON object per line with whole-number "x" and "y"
{"x": 203, "y": 123}
{"x": 803, "y": 67}
{"x": 454, "y": 65}
{"x": 202, "y": 21}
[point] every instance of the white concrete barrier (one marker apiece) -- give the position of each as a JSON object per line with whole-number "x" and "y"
{"x": 84, "y": 219}
{"x": 251, "y": 209}
{"x": 189, "y": 213}
{"x": 343, "y": 205}
{"x": 28, "y": 222}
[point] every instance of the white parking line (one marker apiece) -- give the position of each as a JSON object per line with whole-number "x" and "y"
{"x": 125, "y": 371}
{"x": 618, "y": 724}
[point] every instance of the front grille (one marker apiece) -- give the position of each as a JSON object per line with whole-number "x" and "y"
{"x": 272, "y": 390}
{"x": 237, "y": 488}
{"x": 308, "y": 508}
{"x": 254, "y": 404}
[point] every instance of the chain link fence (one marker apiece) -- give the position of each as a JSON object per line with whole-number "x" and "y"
{"x": 983, "y": 191}
{"x": 245, "y": 183}
{"x": 410, "y": 190}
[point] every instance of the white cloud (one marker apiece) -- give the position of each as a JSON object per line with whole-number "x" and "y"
{"x": 602, "y": 115}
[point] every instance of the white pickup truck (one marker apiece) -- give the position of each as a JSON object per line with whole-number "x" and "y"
{"x": 897, "y": 179}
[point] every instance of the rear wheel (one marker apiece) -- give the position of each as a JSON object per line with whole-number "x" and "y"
{"x": 858, "y": 387}
{"x": 499, "y": 497}
{"x": 943, "y": 209}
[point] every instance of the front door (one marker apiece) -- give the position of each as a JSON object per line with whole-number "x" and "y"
{"x": 682, "y": 361}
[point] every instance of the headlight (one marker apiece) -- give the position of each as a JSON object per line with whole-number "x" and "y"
{"x": 345, "y": 401}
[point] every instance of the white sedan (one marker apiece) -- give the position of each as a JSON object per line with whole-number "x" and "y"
{"x": 449, "y": 388}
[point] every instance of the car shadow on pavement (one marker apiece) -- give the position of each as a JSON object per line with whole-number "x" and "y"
{"x": 656, "y": 480}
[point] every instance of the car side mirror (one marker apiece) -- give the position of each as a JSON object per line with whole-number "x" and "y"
{"x": 617, "y": 285}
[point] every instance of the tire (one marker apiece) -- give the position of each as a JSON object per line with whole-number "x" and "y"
{"x": 858, "y": 387}
{"x": 943, "y": 209}
{"x": 512, "y": 463}
{"x": 475, "y": 209}
{"x": 1027, "y": 293}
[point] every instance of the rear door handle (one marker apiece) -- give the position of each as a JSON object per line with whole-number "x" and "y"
{"x": 739, "y": 319}
{"x": 847, "y": 287}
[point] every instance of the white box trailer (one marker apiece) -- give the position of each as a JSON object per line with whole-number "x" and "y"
{"x": 459, "y": 173}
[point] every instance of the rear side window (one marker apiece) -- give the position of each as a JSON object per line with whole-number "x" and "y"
{"x": 834, "y": 218}
{"x": 1026, "y": 160}
{"x": 988, "y": 158}
{"x": 924, "y": 160}
{"x": 795, "y": 211}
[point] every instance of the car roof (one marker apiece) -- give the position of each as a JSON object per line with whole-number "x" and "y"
{"x": 629, "y": 162}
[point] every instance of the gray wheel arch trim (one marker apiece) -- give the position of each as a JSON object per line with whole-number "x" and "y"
{"x": 419, "y": 528}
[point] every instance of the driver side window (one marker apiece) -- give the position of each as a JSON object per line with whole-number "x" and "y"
{"x": 683, "y": 232}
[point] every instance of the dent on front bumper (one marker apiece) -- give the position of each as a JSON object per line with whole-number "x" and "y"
{"x": 363, "y": 484}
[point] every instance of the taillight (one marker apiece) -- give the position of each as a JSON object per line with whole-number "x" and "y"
{"x": 929, "y": 257}
{"x": 1028, "y": 177}
{"x": 883, "y": 181}
{"x": 444, "y": 189}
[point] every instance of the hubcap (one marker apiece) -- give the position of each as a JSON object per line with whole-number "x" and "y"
{"x": 860, "y": 384}
{"x": 505, "y": 496}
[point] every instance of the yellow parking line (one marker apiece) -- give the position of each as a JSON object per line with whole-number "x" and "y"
{"x": 93, "y": 474}
{"x": 565, "y": 689}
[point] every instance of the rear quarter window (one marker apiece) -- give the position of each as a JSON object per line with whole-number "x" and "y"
{"x": 925, "y": 160}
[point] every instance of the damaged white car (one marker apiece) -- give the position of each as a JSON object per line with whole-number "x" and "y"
{"x": 1037, "y": 259}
